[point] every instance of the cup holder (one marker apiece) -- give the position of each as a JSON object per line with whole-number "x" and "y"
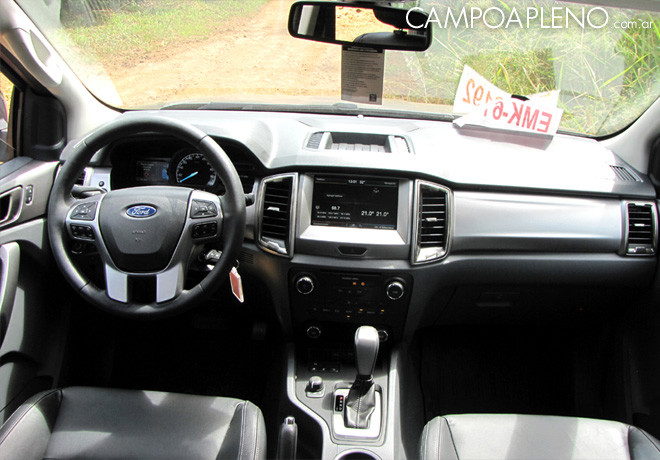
{"x": 357, "y": 455}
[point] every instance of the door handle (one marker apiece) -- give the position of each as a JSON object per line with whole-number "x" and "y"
{"x": 11, "y": 204}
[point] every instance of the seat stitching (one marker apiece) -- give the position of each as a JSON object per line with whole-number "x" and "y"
{"x": 240, "y": 444}
{"x": 424, "y": 443}
{"x": 256, "y": 436}
{"x": 11, "y": 429}
{"x": 453, "y": 443}
{"x": 646, "y": 436}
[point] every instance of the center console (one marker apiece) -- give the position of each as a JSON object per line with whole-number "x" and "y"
{"x": 343, "y": 313}
{"x": 345, "y": 217}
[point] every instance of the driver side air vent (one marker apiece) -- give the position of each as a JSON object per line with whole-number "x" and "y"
{"x": 640, "y": 229}
{"x": 277, "y": 209}
{"x": 624, "y": 174}
{"x": 432, "y": 230}
{"x": 80, "y": 180}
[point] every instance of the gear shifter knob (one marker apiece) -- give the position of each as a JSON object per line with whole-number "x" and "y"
{"x": 366, "y": 350}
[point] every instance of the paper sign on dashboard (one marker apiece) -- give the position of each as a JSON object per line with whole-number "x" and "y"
{"x": 475, "y": 91}
{"x": 487, "y": 105}
{"x": 515, "y": 115}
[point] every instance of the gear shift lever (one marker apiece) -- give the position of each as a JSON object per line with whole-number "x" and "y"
{"x": 361, "y": 399}
{"x": 366, "y": 351}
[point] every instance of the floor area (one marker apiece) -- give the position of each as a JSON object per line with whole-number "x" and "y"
{"x": 515, "y": 369}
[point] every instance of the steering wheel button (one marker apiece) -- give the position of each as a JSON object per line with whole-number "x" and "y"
{"x": 200, "y": 209}
{"x": 82, "y": 231}
{"x": 84, "y": 211}
{"x": 205, "y": 230}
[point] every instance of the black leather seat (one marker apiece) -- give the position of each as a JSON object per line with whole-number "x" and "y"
{"x": 531, "y": 437}
{"x": 95, "y": 423}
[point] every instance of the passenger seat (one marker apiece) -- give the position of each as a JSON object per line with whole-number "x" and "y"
{"x": 533, "y": 437}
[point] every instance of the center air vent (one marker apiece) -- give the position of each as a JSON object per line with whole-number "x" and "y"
{"x": 432, "y": 231}
{"x": 276, "y": 207}
{"x": 358, "y": 142}
{"x": 641, "y": 229}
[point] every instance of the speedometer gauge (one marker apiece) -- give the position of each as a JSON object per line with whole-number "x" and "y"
{"x": 194, "y": 171}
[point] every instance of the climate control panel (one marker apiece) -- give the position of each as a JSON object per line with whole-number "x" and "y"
{"x": 322, "y": 296}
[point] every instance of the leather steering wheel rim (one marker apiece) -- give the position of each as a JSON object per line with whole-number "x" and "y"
{"x": 61, "y": 201}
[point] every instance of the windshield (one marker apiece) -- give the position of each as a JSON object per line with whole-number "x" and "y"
{"x": 152, "y": 53}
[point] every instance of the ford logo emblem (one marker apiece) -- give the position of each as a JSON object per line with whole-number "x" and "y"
{"x": 141, "y": 211}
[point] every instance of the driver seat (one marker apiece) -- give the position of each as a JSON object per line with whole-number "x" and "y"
{"x": 95, "y": 423}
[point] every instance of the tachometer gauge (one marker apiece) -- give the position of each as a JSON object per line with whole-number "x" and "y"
{"x": 194, "y": 171}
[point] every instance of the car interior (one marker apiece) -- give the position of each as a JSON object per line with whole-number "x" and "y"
{"x": 204, "y": 279}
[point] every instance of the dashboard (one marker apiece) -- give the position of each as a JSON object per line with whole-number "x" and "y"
{"x": 404, "y": 223}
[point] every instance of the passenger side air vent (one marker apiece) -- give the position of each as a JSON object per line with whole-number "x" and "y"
{"x": 432, "y": 230}
{"x": 277, "y": 204}
{"x": 624, "y": 174}
{"x": 641, "y": 229}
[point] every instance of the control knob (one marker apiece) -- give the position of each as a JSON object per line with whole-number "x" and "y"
{"x": 383, "y": 335}
{"x": 395, "y": 290}
{"x": 304, "y": 285}
{"x": 313, "y": 332}
{"x": 315, "y": 384}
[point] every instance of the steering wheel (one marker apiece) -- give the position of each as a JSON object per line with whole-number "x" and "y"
{"x": 146, "y": 234}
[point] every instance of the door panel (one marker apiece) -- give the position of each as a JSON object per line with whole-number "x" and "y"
{"x": 10, "y": 261}
{"x": 33, "y": 301}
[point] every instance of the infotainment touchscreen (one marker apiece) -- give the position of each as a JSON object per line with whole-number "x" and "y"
{"x": 340, "y": 201}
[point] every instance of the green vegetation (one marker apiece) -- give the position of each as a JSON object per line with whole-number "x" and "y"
{"x": 125, "y": 34}
{"x": 607, "y": 76}
{"x": 6, "y": 88}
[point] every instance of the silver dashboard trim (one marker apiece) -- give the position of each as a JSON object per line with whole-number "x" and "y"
{"x": 97, "y": 175}
{"x": 509, "y": 222}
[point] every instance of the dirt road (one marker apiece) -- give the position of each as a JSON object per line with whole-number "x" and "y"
{"x": 251, "y": 57}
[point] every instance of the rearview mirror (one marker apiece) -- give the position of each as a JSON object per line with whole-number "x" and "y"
{"x": 373, "y": 26}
